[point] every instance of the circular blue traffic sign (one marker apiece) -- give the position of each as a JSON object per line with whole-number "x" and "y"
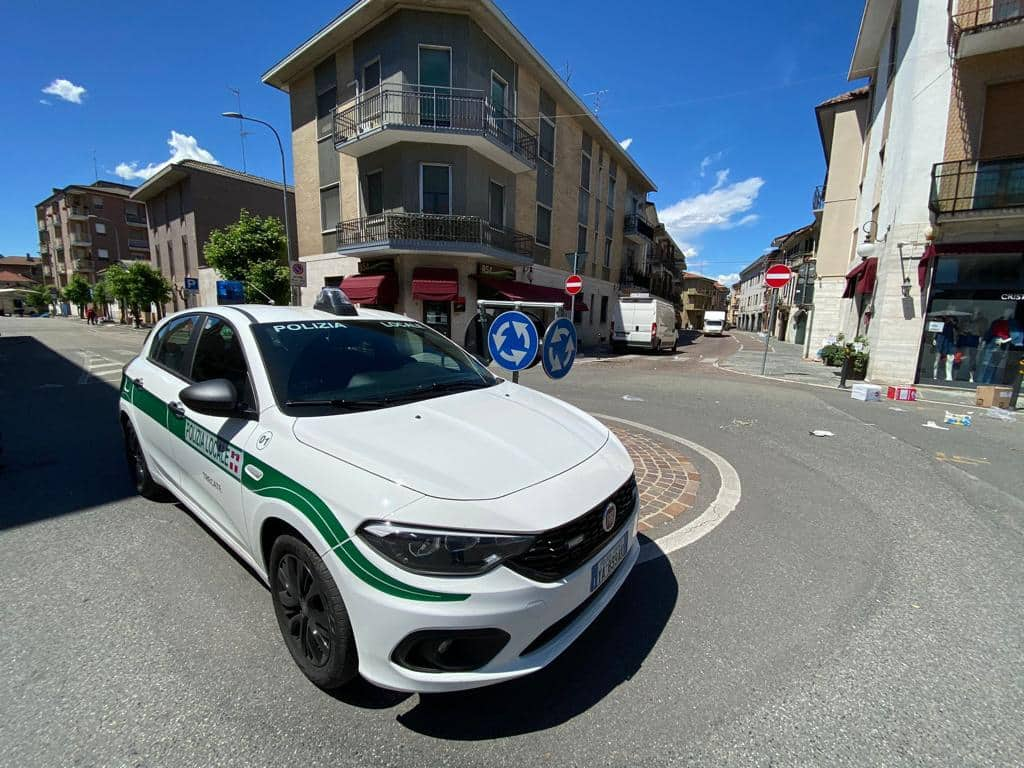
{"x": 512, "y": 341}
{"x": 559, "y": 348}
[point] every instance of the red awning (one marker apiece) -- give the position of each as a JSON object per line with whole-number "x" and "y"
{"x": 852, "y": 277}
{"x": 516, "y": 291}
{"x": 435, "y": 283}
{"x": 866, "y": 283}
{"x": 380, "y": 289}
{"x": 922, "y": 266}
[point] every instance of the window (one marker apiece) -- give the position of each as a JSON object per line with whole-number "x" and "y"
{"x": 219, "y": 356}
{"x": 581, "y": 239}
{"x": 172, "y": 345}
{"x": 159, "y": 266}
{"x": 374, "y": 203}
{"x": 102, "y": 253}
{"x": 330, "y": 207}
{"x": 608, "y": 253}
{"x": 371, "y": 75}
{"x": 604, "y": 309}
{"x": 325, "y": 78}
{"x": 435, "y": 189}
{"x": 184, "y": 255}
{"x": 170, "y": 257}
{"x": 585, "y": 171}
{"x": 547, "y": 140}
{"x": 101, "y": 228}
{"x": 97, "y": 202}
{"x": 499, "y": 94}
{"x": 496, "y": 205}
{"x": 543, "y": 234}
{"x": 435, "y": 71}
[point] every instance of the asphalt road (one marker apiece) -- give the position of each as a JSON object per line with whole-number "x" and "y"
{"x": 861, "y": 606}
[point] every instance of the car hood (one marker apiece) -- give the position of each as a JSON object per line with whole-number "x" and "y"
{"x": 475, "y": 445}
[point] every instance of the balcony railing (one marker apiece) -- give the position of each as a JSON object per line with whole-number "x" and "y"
{"x": 988, "y": 14}
{"x": 405, "y": 229}
{"x": 134, "y": 218}
{"x": 635, "y": 224}
{"x": 77, "y": 212}
{"x": 424, "y": 108}
{"x": 142, "y": 245}
{"x": 964, "y": 186}
{"x": 81, "y": 240}
{"x": 818, "y": 199}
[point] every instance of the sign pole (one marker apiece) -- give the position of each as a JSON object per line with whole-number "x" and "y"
{"x": 768, "y": 331}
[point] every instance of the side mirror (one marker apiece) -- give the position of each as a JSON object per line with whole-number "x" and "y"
{"x": 216, "y": 397}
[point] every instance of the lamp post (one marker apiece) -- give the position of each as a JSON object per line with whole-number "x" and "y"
{"x": 284, "y": 194}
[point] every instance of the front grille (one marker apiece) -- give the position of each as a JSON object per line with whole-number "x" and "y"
{"x": 551, "y": 557}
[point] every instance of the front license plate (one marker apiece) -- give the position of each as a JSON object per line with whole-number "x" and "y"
{"x": 606, "y": 566}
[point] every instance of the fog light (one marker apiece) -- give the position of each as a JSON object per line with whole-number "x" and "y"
{"x": 449, "y": 650}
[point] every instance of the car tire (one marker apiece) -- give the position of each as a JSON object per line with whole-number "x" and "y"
{"x": 311, "y": 614}
{"x": 618, "y": 348}
{"x": 145, "y": 485}
{"x": 675, "y": 344}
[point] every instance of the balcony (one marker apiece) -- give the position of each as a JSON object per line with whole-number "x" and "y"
{"x": 988, "y": 27}
{"x": 85, "y": 265}
{"x": 135, "y": 219}
{"x": 42, "y": 225}
{"x": 436, "y": 233}
{"x": 138, "y": 245}
{"x": 81, "y": 240}
{"x": 637, "y": 230}
{"x": 978, "y": 189}
{"x": 387, "y": 116}
{"x": 77, "y": 213}
{"x": 818, "y": 199}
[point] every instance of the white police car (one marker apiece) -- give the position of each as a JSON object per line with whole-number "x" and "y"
{"x": 417, "y": 519}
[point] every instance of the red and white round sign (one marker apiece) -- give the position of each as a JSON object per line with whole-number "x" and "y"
{"x": 777, "y": 275}
{"x": 573, "y": 284}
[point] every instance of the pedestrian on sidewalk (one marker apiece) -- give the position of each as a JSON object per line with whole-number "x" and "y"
{"x": 90, "y": 316}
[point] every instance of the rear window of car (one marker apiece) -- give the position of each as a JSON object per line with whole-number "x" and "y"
{"x": 172, "y": 345}
{"x": 363, "y": 363}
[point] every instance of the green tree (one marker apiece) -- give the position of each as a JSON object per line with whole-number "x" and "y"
{"x": 147, "y": 286}
{"x": 254, "y": 251}
{"x": 118, "y": 288}
{"x": 39, "y": 298}
{"x": 79, "y": 292}
{"x": 100, "y": 298}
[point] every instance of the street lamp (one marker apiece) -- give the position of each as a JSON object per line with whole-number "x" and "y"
{"x": 284, "y": 193}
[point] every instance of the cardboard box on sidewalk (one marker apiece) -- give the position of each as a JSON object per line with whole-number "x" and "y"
{"x": 902, "y": 393}
{"x": 869, "y": 393}
{"x": 997, "y": 397}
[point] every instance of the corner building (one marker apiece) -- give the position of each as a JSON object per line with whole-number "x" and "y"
{"x": 439, "y": 159}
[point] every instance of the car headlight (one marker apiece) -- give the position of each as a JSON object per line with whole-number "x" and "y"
{"x": 437, "y": 552}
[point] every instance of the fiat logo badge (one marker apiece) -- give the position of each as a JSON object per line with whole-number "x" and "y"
{"x": 608, "y": 518}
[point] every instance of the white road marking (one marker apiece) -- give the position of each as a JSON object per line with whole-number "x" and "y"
{"x": 728, "y": 498}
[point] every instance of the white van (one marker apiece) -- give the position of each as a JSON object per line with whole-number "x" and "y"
{"x": 642, "y": 321}
{"x": 714, "y": 322}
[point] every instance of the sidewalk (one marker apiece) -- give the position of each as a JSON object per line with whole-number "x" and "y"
{"x": 786, "y": 363}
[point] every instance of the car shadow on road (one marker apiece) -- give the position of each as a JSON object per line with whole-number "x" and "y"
{"x": 61, "y": 443}
{"x": 608, "y": 654}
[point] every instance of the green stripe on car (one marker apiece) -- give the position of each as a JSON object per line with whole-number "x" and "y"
{"x": 276, "y": 485}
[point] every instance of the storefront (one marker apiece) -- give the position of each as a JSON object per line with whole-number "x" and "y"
{"x": 974, "y": 324}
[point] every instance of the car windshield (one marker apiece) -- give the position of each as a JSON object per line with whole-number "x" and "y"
{"x": 360, "y": 364}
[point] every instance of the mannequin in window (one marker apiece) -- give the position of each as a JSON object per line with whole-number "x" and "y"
{"x": 1001, "y": 334}
{"x": 967, "y": 343}
{"x": 945, "y": 350}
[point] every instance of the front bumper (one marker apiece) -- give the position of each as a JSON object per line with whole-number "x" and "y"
{"x": 500, "y": 599}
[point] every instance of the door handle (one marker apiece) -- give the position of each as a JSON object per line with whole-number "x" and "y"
{"x": 138, "y": 383}
{"x": 176, "y": 409}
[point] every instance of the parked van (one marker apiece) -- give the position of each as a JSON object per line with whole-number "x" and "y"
{"x": 714, "y": 322}
{"x": 642, "y": 321}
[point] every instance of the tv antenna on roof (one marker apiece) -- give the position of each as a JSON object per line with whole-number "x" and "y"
{"x": 242, "y": 133}
{"x": 597, "y": 98}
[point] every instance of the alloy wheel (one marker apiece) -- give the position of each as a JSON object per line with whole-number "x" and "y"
{"x": 308, "y": 625}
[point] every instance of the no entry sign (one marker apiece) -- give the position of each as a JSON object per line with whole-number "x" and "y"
{"x": 573, "y": 284}
{"x": 777, "y": 276}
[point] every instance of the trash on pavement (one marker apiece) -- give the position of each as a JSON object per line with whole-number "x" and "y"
{"x": 902, "y": 393}
{"x": 866, "y": 392}
{"x": 999, "y": 413}
{"x": 631, "y": 399}
{"x": 932, "y": 425}
{"x": 988, "y": 396}
{"x": 958, "y": 419}
{"x": 897, "y": 409}
{"x": 821, "y": 433}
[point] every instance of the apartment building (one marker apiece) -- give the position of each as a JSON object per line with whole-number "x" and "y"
{"x": 84, "y": 228}
{"x": 699, "y": 294}
{"x": 842, "y": 125}
{"x": 795, "y": 300}
{"x": 27, "y": 266}
{"x": 733, "y": 306}
{"x": 186, "y": 201}
{"x": 972, "y": 276}
{"x": 440, "y": 160}
{"x": 751, "y": 306}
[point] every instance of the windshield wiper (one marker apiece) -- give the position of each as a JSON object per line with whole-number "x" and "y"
{"x": 437, "y": 388}
{"x": 352, "y": 405}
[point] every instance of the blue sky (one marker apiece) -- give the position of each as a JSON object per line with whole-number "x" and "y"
{"x": 717, "y": 98}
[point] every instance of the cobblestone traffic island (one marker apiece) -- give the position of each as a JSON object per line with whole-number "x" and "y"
{"x": 667, "y": 479}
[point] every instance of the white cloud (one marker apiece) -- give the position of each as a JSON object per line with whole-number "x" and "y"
{"x": 728, "y": 280}
{"x": 626, "y": 143}
{"x": 708, "y": 161}
{"x": 715, "y": 209}
{"x": 66, "y": 90}
{"x": 44, "y": 102}
{"x": 721, "y": 177}
{"x": 182, "y": 148}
